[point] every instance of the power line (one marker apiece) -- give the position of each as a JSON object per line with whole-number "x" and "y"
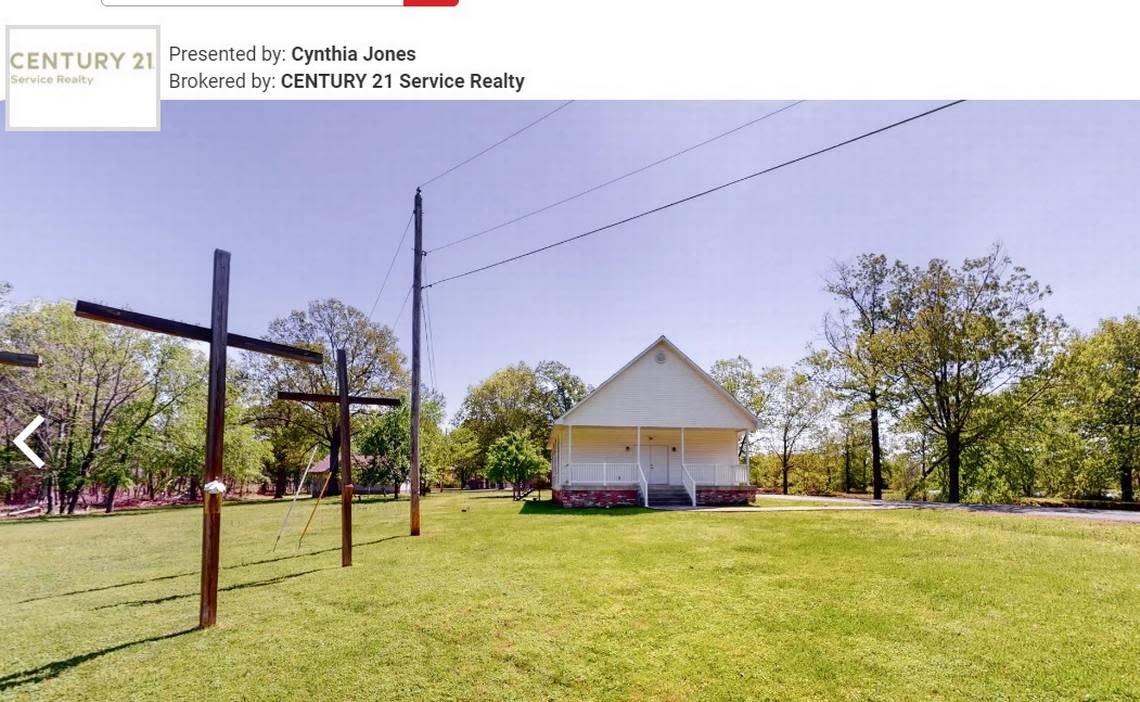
{"x": 695, "y": 196}
{"x": 618, "y": 179}
{"x": 498, "y": 143}
{"x": 403, "y": 305}
{"x": 429, "y": 337}
{"x": 392, "y": 264}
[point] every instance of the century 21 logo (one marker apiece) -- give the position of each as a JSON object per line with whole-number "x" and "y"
{"x": 82, "y": 60}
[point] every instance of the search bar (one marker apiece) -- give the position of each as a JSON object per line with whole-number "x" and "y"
{"x": 280, "y": 3}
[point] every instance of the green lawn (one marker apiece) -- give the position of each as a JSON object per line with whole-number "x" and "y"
{"x": 765, "y": 501}
{"x": 507, "y": 601}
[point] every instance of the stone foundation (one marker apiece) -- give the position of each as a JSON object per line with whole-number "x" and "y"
{"x": 725, "y": 495}
{"x": 597, "y": 497}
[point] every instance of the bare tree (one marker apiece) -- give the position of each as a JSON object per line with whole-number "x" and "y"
{"x": 857, "y": 364}
{"x": 795, "y": 407}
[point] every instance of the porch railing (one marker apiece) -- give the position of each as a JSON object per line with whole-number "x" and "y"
{"x": 601, "y": 474}
{"x": 724, "y": 475}
{"x": 690, "y": 484}
{"x": 644, "y": 486}
{"x": 693, "y": 475}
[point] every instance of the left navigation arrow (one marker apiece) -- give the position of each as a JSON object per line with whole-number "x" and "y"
{"x": 23, "y": 436}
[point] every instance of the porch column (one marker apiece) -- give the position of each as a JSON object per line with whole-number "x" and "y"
{"x": 747, "y": 457}
{"x": 639, "y": 450}
{"x": 682, "y": 447}
{"x": 570, "y": 453}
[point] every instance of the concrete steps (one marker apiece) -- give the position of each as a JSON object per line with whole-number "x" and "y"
{"x": 668, "y": 496}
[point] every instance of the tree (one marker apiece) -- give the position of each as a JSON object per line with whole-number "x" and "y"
{"x": 386, "y": 445}
{"x": 1104, "y": 377}
{"x": 737, "y": 377}
{"x": 375, "y": 365}
{"x": 960, "y": 336}
{"x": 291, "y": 445}
{"x": 387, "y": 439}
{"x": 560, "y": 388}
{"x": 857, "y": 365}
{"x": 463, "y": 457}
{"x": 173, "y": 382}
{"x": 521, "y": 399}
{"x": 855, "y": 450}
{"x": 99, "y": 388}
{"x": 514, "y": 459}
{"x": 795, "y": 407}
{"x": 176, "y": 444}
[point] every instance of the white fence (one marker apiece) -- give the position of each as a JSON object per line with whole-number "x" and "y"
{"x": 598, "y": 474}
{"x": 693, "y": 474}
{"x": 718, "y": 474}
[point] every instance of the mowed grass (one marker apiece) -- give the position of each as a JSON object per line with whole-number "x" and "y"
{"x": 765, "y": 501}
{"x": 510, "y": 601}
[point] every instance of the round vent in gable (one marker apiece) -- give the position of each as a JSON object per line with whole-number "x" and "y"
{"x": 660, "y": 357}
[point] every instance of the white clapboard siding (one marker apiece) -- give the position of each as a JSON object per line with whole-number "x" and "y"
{"x": 602, "y": 445}
{"x": 711, "y": 446}
{"x": 672, "y": 393}
{"x": 597, "y": 445}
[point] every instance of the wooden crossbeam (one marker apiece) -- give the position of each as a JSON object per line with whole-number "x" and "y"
{"x": 26, "y": 360}
{"x": 146, "y": 322}
{"x": 335, "y": 399}
{"x": 342, "y": 441}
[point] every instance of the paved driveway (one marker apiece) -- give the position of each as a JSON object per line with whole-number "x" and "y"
{"x": 1106, "y": 515}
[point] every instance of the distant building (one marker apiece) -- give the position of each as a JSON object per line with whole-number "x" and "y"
{"x": 320, "y": 469}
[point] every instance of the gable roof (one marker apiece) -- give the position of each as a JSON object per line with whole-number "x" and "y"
{"x": 323, "y": 465}
{"x": 741, "y": 417}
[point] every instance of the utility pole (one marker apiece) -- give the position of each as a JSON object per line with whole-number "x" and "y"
{"x": 417, "y": 291}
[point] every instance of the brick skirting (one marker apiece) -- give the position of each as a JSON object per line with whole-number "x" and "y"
{"x": 597, "y": 497}
{"x": 725, "y": 495}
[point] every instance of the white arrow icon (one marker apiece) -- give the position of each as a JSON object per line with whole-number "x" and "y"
{"x": 22, "y": 436}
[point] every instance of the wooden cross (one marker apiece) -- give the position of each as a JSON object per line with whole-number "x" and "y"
{"x": 219, "y": 337}
{"x": 343, "y": 437}
{"x": 27, "y": 360}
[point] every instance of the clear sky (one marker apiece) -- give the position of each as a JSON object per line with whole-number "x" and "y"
{"x": 311, "y": 198}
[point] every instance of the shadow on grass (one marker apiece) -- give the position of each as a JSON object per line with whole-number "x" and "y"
{"x": 132, "y": 511}
{"x": 107, "y": 587}
{"x": 365, "y": 499}
{"x": 549, "y": 507}
{"x": 306, "y": 554}
{"x": 247, "y": 564}
{"x": 228, "y": 588}
{"x": 54, "y": 669}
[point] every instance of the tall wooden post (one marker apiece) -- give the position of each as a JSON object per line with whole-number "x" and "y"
{"x": 341, "y": 450}
{"x": 334, "y": 455}
{"x": 215, "y": 438}
{"x": 345, "y": 460}
{"x": 417, "y": 289}
{"x": 219, "y": 338}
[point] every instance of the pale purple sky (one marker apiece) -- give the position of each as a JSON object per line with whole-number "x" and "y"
{"x": 311, "y": 198}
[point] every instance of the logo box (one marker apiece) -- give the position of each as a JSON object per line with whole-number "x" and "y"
{"x": 82, "y": 78}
